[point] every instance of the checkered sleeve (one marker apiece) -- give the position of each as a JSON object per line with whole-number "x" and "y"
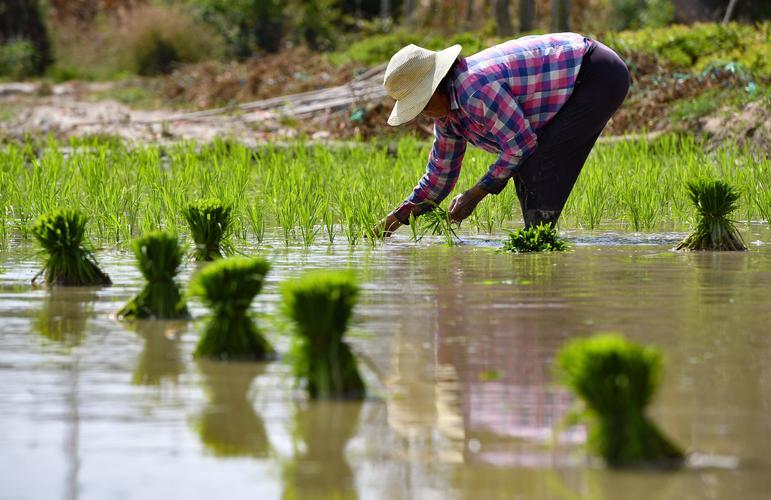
{"x": 495, "y": 108}
{"x": 444, "y": 163}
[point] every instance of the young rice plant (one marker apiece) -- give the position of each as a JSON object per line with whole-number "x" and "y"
{"x": 67, "y": 261}
{"x": 714, "y": 200}
{"x": 159, "y": 257}
{"x": 540, "y": 238}
{"x": 228, "y": 288}
{"x": 616, "y": 380}
{"x": 210, "y": 224}
{"x": 320, "y": 305}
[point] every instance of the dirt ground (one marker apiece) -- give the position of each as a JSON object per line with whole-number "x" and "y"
{"x": 79, "y": 109}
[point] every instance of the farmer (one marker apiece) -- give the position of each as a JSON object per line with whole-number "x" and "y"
{"x": 539, "y": 102}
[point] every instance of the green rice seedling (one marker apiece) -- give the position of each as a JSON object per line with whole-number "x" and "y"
{"x": 210, "y": 224}
{"x": 714, "y": 200}
{"x": 159, "y": 257}
{"x": 540, "y": 238}
{"x": 320, "y": 305}
{"x": 616, "y": 380}
{"x": 228, "y": 288}
{"x": 438, "y": 222}
{"x": 67, "y": 260}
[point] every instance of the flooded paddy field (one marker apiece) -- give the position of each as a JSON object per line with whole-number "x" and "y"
{"x": 456, "y": 345}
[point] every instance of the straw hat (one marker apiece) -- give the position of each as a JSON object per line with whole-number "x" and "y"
{"x": 412, "y": 76}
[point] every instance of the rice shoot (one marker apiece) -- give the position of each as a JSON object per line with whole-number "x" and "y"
{"x": 159, "y": 257}
{"x": 210, "y": 224}
{"x": 228, "y": 288}
{"x": 616, "y": 380}
{"x": 540, "y": 238}
{"x": 714, "y": 200}
{"x": 320, "y": 304}
{"x": 67, "y": 260}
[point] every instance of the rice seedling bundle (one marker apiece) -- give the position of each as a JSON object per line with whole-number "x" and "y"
{"x": 320, "y": 305}
{"x": 714, "y": 201}
{"x": 67, "y": 261}
{"x": 210, "y": 224}
{"x": 228, "y": 288}
{"x": 616, "y": 380}
{"x": 540, "y": 238}
{"x": 159, "y": 256}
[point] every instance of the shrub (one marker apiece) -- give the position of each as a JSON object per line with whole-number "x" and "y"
{"x": 24, "y": 33}
{"x": 154, "y": 38}
{"x": 320, "y": 305}
{"x": 700, "y": 45}
{"x": 210, "y": 226}
{"x": 67, "y": 260}
{"x": 228, "y": 288}
{"x": 540, "y": 238}
{"x": 159, "y": 256}
{"x": 246, "y": 25}
{"x": 714, "y": 201}
{"x": 616, "y": 380}
{"x": 18, "y": 59}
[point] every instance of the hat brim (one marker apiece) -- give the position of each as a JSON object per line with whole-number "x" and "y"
{"x": 408, "y": 108}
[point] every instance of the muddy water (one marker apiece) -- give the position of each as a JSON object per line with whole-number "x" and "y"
{"x": 457, "y": 346}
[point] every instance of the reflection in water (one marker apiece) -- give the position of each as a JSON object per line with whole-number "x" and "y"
{"x": 229, "y": 425}
{"x": 64, "y": 314}
{"x": 160, "y": 358}
{"x": 320, "y": 434}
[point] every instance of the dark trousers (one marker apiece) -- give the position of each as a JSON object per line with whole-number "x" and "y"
{"x": 545, "y": 178}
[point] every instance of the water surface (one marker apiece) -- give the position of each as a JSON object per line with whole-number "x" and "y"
{"x": 456, "y": 344}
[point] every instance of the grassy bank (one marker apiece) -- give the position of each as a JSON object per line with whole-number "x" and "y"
{"x": 314, "y": 194}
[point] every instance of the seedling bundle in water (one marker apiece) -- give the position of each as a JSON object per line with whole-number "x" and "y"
{"x": 320, "y": 304}
{"x": 438, "y": 222}
{"x": 714, "y": 200}
{"x": 616, "y": 380}
{"x": 159, "y": 256}
{"x": 210, "y": 225}
{"x": 228, "y": 287}
{"x": 67, "y": 260}
{"x": 540, "y": 238}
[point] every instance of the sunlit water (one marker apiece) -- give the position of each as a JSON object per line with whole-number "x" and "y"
{"x": 457, "y": 346}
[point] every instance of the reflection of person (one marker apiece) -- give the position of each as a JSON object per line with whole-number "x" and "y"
{"x": 539, "y": 102}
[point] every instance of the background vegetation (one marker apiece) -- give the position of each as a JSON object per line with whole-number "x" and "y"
{"x": 97, "y": 39}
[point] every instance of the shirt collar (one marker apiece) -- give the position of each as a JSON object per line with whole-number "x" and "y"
{"x": 453, "y": 95}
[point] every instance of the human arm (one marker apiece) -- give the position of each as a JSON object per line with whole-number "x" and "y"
{"x": 444, "y": 164}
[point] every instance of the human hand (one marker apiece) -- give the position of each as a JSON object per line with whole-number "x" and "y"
{"x": 387, "y": 226}
{"x": 462, "y": 205}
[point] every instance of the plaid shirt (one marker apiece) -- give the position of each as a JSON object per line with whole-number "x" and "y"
{"x": 499, "y": 99}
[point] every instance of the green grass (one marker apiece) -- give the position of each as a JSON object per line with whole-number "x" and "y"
{"x": 320, "y": 304}
{"x": 307, "y": 195}
{"x": 228, "y": 288}
{"x": 616, "y": 380}
{"x": 159, "y": 257}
